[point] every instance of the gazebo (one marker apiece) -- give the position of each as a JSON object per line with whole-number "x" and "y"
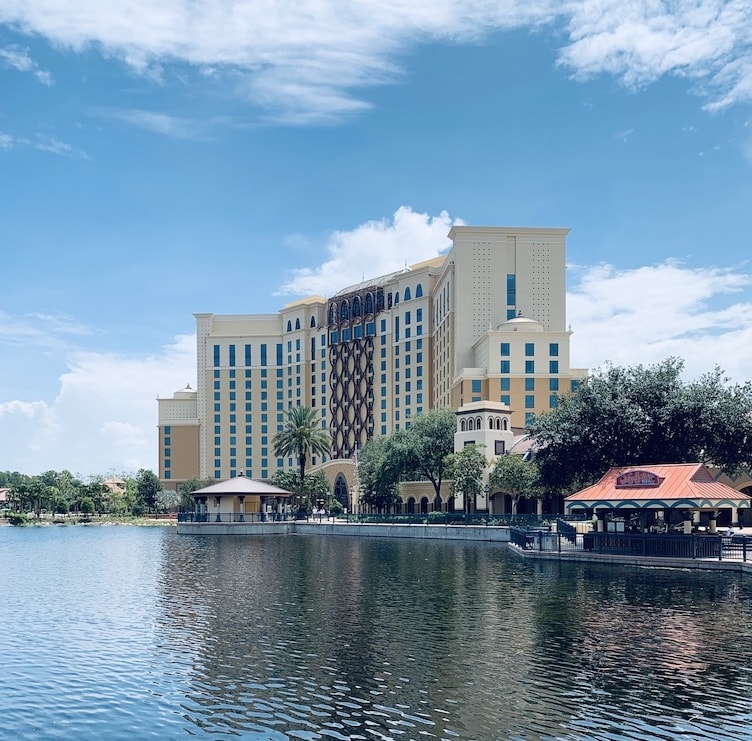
{"x": 241, "y": 499}
{"x": 667, "y": 496}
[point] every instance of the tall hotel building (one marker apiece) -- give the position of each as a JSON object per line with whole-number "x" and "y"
{"x": 484, "y": 322}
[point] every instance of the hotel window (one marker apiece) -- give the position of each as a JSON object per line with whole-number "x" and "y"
{"x": 476, "y": 386}
{"x": 553, "y": 366}
{"x": 511, "y": 289}
{"x": 504, "y": 350}
{"x": 553, "y": 401}
{"x": 504, "y": 398}
{"x": 505, "y": 384}
{"x": 553, "y": 384}
{"x": 529, "y": 366}
{"x": 529, "y": 349}
{"x": 574, "y": 385}
{"x": 529, "y": 416}
{"x": 263, "y": 354}
{"x": 504, "y": 368}
{"x": 529, "y": 384}
{"x": 216, "y": 355}
{"x": 553, "y": 349}
{"x": 529, "y": 401}
{"x": 232, "y": 354}
{"x": 247, "y": 354}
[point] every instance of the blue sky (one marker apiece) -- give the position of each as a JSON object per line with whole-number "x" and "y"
{"x": 161, "y": 159}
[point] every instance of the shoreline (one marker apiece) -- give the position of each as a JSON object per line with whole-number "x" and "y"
{"x": 104, "y": 521}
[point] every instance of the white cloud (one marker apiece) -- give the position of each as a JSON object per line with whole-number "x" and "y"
{"x": 703, "y": 315}
{"x": 104, "y": 416}
{"x": 309, "y": 60}
{"x": 372, "y": 249}
{"x": 17, "y": 58}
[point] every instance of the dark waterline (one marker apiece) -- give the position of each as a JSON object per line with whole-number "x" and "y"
{"x": 130, "y": 633}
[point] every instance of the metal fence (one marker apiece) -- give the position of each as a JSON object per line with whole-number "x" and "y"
{"x": 720, "y": 547}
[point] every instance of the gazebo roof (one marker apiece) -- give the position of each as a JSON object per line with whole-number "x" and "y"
{"x": 664, "y": 486}
{"x": 243, "y": 486}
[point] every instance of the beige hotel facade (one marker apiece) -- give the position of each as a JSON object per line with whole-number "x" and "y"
{"x": 486, "y": 322}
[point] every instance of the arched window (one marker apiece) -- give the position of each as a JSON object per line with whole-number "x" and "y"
{"x": 470, "y": 424}
{"x": 437, "y": 504}
{"x": 408, "y": 295}
{"x": 478, "y": 424}
{"x": 341, "y": 492}
{"x": 504, "y": 424}
{"x": 424, "y": 505}
{"x": 463, "y": 426}
{"x": 313, "y": 322}
{"x": 289, "y": 326}
{"x": 369, "y": 303}
{"x": 396, "y": 297}
{"x": 344, "y": 312}
{"x": 297, "y": 323}
{"x": 332, "y": 313}
{"x": 356, "y": 306}
{"x": 411, "y": 506}
{"x": 419, "y": 291}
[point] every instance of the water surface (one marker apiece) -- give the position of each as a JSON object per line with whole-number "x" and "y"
{"x": 129, "y": 633}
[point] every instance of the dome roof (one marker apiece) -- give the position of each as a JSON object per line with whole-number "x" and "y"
{"x": 186, "y": 393}
{"x": 520, "y": 324}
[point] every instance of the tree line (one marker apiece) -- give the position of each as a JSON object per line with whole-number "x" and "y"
{"x": 63, "y": 493}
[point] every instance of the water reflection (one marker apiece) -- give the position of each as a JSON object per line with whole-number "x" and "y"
{"x": 308, "y": 637}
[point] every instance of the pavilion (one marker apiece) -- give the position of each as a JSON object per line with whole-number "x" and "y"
{"x": 241, "y": 499}
{"x": 679, "y": 496}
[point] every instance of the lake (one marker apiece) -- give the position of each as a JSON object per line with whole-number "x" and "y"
{"x": 120, "y": 632}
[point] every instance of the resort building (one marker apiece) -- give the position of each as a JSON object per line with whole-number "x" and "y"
{"x": 483, "y": 323}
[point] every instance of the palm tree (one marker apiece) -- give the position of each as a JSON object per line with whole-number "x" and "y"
{"x": 300, "y": 437}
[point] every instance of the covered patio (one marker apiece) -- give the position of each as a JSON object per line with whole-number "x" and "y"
{"x": 241, "y": 499}
{"x": 680, "y": 497}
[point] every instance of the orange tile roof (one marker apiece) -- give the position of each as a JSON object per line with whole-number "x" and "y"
{"x": 675, "y": 481}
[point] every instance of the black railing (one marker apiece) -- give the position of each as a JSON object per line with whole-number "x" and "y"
{"x": 229, "y": 517}
{"x": 455, "y": 518}
{"x": 719, "y": 547}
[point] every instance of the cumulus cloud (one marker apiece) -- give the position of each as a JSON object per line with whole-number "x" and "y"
{"x": 103, "y": 417}
{"x": 644, "y": 315}
{"x": 310, "y": 60}
{"x": 372, "y": 249}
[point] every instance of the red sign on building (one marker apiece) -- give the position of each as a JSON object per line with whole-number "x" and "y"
{"x": 637, "y": 478}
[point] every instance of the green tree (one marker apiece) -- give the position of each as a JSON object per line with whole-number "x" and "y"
{"x": 466, "y": 468}
{"x": 187, "y": 488}
{"x": 315, "y": 486}
{"x": 642, "y": 416}
{"x": 301, "y": 437}
{"x": 148, "y": 488}
{"x": 379, "y": 471}
{"x": 427, "y": 444}
{"x": 514, "y": 475}
{"x": 87, "y": 506}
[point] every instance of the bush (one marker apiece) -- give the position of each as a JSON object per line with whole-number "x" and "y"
{"x": 17, "y": 518}
{"x": 436, "y": 517}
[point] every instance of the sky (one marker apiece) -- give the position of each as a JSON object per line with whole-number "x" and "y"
{"x": 230, "y": 156}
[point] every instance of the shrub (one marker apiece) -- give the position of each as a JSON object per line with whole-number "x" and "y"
{"x": 17, "y": 518}
{"x": 436, "y": 517}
